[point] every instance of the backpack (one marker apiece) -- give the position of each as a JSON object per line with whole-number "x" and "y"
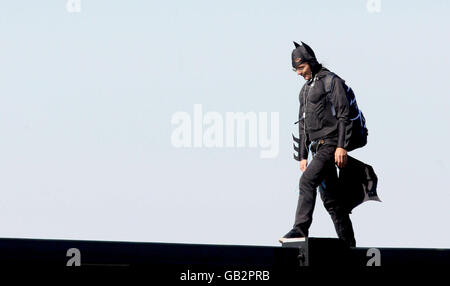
{"x": 359, "y": 135}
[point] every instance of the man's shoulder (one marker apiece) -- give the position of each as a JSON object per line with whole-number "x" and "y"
{"x": 332, "y": 78}
{"x": 324, "y": 72}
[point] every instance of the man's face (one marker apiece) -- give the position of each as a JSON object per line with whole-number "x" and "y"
{"x": 304, "y": 70}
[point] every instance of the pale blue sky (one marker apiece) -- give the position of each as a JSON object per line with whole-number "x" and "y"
{"x": 86, "y": 101}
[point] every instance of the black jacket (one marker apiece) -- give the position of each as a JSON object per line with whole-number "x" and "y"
{"x": 320, "y": 118}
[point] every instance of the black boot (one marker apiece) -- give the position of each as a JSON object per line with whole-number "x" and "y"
{"x": 293, "y": 235}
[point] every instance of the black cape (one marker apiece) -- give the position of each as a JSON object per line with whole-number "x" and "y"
{"x": 358, "y": 183}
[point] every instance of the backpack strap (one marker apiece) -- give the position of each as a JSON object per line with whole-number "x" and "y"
{"x": 328, "y": 88}
{"x": 329, "y": 82}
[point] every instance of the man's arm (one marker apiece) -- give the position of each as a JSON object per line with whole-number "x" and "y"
{"x": 304, "y": 141}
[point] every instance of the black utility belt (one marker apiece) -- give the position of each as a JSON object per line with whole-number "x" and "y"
{"x": 316, "y": 143}
{"x": 320, "y": 141}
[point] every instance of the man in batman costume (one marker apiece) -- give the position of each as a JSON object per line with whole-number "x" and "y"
{"x": 325, "y": 127}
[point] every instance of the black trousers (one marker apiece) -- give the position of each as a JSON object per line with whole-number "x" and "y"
{"x": 321, "y": 172}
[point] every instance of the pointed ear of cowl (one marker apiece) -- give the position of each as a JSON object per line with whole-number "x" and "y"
{"x": 309, "y": 50}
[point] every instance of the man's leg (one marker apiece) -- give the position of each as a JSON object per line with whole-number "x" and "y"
{"x": 309, "y": 181}
{"x": 332, "y": 198}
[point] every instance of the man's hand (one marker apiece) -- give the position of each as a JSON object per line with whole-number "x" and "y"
{"x": 340, "y": 157}
{"x": 303, "y": 165}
